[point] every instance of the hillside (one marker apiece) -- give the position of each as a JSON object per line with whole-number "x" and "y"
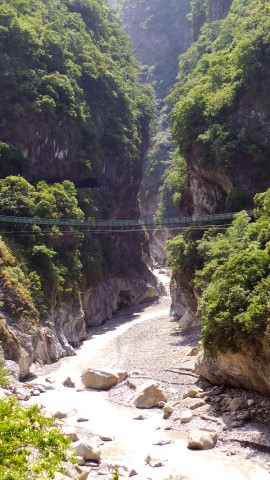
{"x": 160, "y": 32}
{"x": 221, "y": 109}
{"x": 73, "y": 134}
{"x": 220, "y": 124}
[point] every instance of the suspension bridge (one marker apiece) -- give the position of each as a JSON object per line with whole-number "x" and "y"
{"x": 135, "y": 224}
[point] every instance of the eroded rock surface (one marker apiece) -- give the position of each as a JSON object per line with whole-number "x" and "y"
{"x": 248, "y": 368}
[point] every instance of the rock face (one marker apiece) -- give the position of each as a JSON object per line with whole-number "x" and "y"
{"x": 102, "y": 380}
{"x": 102, "y": 302}
{"x": 160, "y": 31}
{"x": 184, "y": 303}
{"x": 102, "y": 152}
{"x": 149, "y": 395}
{"x": 66, "y": 325}
{"x": 242, "y": 369}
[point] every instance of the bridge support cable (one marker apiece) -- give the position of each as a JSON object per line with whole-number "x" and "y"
{"x": 124, "y": 225}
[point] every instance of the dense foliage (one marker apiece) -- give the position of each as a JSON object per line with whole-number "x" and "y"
{"x": 71, "y": 108}
{"x": 234, "y": 283}
{"x": 220, "y": 100}
{"x": 62, "y": 62}
{"x": 46, "y": 267}
{"x": 30, "y": 447}
{"x": 160, "y": 31}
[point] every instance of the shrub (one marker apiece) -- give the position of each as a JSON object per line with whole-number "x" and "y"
{"x": 30, "y": 447}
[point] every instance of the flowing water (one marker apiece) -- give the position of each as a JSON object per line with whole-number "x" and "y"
{"x": 132, "y": 439}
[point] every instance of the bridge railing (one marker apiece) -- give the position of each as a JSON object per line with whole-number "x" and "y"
{"x": 109, "y": 224}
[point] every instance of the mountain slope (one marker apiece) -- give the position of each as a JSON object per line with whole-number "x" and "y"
{"x": 221, "y": 109}
{"x": 73, "y": 134}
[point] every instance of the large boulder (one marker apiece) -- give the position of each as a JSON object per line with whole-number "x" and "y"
{"x": 86, "y": 450}
{"x": 202, "y": 439}
{"x": 102, "y": 380}
{"x": 248, "y": 367}
{"x": 149, "y": 395}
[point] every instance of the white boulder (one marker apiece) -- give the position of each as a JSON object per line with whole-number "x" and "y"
{"x": 102, "y": 380}
{"x": 149, "y": 395}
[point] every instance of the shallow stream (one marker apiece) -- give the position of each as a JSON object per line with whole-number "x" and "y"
{"x": 132, "y": 439}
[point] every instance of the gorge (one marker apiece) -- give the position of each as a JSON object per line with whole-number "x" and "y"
{"x": 88, "y": 133}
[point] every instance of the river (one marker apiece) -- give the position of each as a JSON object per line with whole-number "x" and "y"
{"x": 114, "y": 345}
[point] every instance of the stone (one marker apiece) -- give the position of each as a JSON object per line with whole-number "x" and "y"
{"x": 187, "y": 321}
{"x": 236, "y": 404}
{"x": 149, "y": 395}
{"x": 243, "y": 416}
{"x": 202, "y": 439}
{"x": 193, "y": 352}
{"x": 13, "y": 369}
{"x": 192, "y": 393}
{"x": 160, "y": 443}
{"x": 235, "y": 425}
{"x": 50, "y": 380}
{"x": 86, "y": 450}
{"x": 35, "y": 392}
{"x": 133, "y": 472}
{"x": 60, "y": 476}
{"x": 186, "y": 416}
{"x": 102, "y": 380}
{"x": 250, "y": 402}
{"x": 168, "y": 408}
{"x": 100, "y": 303}
{"x": 247, "y": 368}
{"x": 59, "y": 414}
{"x": 68, "y": 383}
{"x": 80, "y": 460}
{"x": 71, "y": 433}
{"x": 153, "y": 462}
{"x": 105, "y": 438}
{"x": 198, "y": 404}
{"x": 23, "y": 394}
{"x": 2, "y": 393}
{"x": 40, "y": 387}
{"x": 76, "y": 472}
{"x": 140, "y": 417}
{"x": 82, "y": 419}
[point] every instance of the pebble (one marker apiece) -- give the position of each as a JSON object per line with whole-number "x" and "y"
{"x": 198, "y": 404}
{"x": 35, "y": 393}
{"x": 50, "y": 380}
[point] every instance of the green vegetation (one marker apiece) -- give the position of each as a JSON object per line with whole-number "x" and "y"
{"x": 36, "y": 263}
{"x": 222, "y": 79}
{"x": 233, "y": 280}
{"x": 71, "y": 107}
{"x": 30, "y": 446}
{"x": 63, "y": 63}
{"x": 163, "y": 26}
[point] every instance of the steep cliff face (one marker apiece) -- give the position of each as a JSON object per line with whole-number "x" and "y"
{"x": 207, "y": 11}
{"x": 71, "y": 110}
{"x": 221, "y": 112}
{"x": 160, "y": 31}
{"x": 221, "y": 126}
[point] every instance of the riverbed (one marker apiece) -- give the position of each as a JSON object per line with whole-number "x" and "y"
{"x": 145, "y": 341}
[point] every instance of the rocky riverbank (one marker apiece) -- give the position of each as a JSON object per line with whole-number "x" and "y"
{"x": 152, "y": 443}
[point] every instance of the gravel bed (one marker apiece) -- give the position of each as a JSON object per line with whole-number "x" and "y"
{"x": 157, "y": 349}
